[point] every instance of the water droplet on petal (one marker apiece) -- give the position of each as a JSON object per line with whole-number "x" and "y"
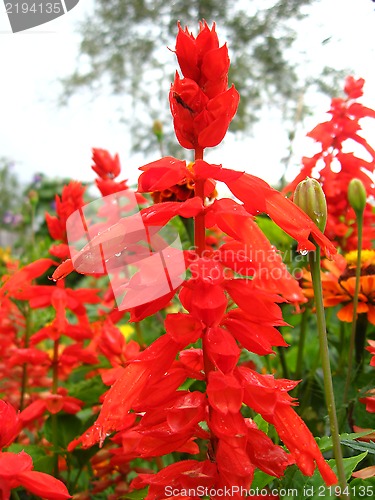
{"x": 304, "y": 252}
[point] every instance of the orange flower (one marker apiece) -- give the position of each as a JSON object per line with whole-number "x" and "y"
{"x": 338, "y": 284}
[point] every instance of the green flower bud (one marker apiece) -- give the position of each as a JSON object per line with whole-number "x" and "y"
{"x": 310, "y": 197}
{"x": 157, "y": 129}
{"x": 357, "y": 195}
{"x": 33, "y": 197}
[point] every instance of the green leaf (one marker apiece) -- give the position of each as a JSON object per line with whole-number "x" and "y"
{"x": 41, "y": 461}
{"x": 325, "y": 442}
{"x": 261, "y": 423}
{"x": 296, "y": 485}
{"x": 261, "y": 479}
{"x": 362, "y": 488}
{"x": 83, "y": 456}
{"x": 68, "y": 427}
{"x": 360, "y": 446}
{"x": 88, "y": 390}
{"x": 136, "y": 494}
{"x": 349, "y": 464}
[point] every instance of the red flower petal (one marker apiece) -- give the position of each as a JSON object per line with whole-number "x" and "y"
{"x": 43, "y": 485}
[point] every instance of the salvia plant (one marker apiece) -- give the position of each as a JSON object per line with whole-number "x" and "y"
{"x": 153, "y": 363}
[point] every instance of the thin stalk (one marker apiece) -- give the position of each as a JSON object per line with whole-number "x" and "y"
{"x": 342, "y": 350}
{"x": 349, "y": 374}
{"x": 284, "y": 364}
{"x": 301, "y": 343}
{"x": 199, "y": 225}
{"x": 327, "y": 375}
{"x": 138, "y": 332}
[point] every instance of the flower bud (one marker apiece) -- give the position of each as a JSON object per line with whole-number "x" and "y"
{"x": 357, "y": 195}
{"x": 33, "y": 197}
{"x": 310, "y": 197}
{"x": 157, "y": 129}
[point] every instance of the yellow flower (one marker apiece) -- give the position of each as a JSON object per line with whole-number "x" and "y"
{"x": 126, "y": 330}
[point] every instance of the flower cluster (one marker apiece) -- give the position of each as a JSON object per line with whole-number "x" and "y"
{"x": 334, "y": 166}
{"x": 201, "y": 104}
{"x": 229, "y": 303}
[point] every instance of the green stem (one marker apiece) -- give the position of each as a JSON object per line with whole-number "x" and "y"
{"x": 301, "y": 343}
{"x": 327, "y": 376}
{"x": 284, "y": 365}
{"x": 349, "y": 374}
{"x": 138, "y": 332}
{"x": 27, "y": 316}
{"x": 360, "y": 340}
{"x": 306, "y": 396}
{"x": 342, "y": 350}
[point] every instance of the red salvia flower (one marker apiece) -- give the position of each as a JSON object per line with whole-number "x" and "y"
{"x": 105, "y": 166}
{"x": 334, "y": 166}
{"x": 224, "y": 309}
{"x": 16, "y": 468}
{"x": 202, "y": 107}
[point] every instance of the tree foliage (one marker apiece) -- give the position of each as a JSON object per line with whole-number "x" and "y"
{"x": 123, "y": 50}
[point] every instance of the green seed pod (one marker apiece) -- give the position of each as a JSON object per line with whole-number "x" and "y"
{"x": 357, "y": 195}
{"x": 310, "y": 197}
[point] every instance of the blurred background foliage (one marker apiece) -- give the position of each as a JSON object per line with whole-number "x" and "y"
{"x": 123, "y": 50}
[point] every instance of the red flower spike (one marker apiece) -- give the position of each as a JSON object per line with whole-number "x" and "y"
{"x": 162, "y": 174}
{"x": 354, "y": 88}
{"x": 259, "y": 197}
{"x": 222, "y": 349}
{"x": 224, "y": 392}
{"x": 105, "y": 166}
{"x": 206, "y": 303}
{"x": 70, "y": 201}
{"x": 183, "y": 328}
{"x": 187, "y": 411}
{"x": 180, "y": 475}
{"x": 253, "y": 336}
{"x": 21, "y": 280}
{"x": 334, "y": 168}
{"x": 202, "y": 60}
{"x": 227, "y": 425}
{"x": 199, "y": 122}
{"x": 268, "y": 397}
{"x": 265, "y": 455}
{"x": 152, "y": 363}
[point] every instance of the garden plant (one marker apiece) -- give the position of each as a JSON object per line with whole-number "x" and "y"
{"x": 173, "y": 342}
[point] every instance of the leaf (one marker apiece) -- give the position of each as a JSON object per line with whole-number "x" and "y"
{"x": 349, "y": 464}
{"x": 296, "y": 485}
{"x": 41, "y": 461}
{"x": 261, "y": 479}
{"x": 136, "y": 494}
{"x": 69, "y": 427}
{"x": 88, "y": 391}
{"x": 325, "y": 442}
{"x": 261, "y": 423}
{"x": 360, "y": 445}
{"x": 362, "y": 488}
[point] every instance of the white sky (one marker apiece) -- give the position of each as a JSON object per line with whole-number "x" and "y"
{"x": 40, "y": 136}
